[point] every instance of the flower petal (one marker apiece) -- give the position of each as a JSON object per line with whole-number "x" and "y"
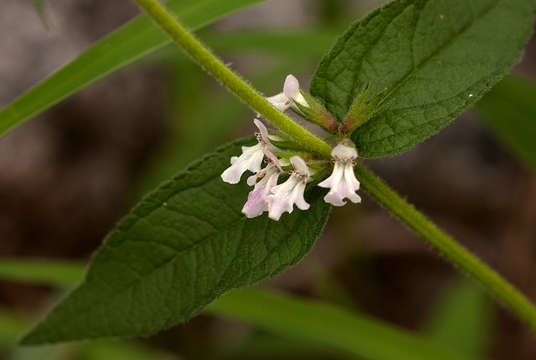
{"x": 255, "y": 161}
{"x": 344, "y": 152}
{"x": 334, "y": 199}
{"x": 277, "y": 206}
{"x": 280, "y": 101}
{"x": 291, "y": 88}
{"x": 300, "y": 166}
{"x": 250, "y": 159}
{"x": 334, "y": 178}
{"x": 349, "y": 177}
{"x": 233, "y": 173}
{"x": 256, "y": 203}
{"x": 252, "y": 180}
{"x": 297, "y": 196}
{"x": 262, "y": 130}
{"x": 300, "y": 100}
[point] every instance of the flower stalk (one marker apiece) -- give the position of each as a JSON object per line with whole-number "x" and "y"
{"x": 454, "y": 252}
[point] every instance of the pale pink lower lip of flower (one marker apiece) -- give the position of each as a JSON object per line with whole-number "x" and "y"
{"x": 289, "y": 193}
{"x": 277, "y": 207}
{"x": 255, "y": 205}
{"x": 264, "y": 182}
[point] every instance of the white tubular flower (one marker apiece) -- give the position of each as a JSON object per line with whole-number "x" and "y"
{"x": 291, "y": 92}
{"x": 342, "y": 182}
{"x": 285, "y": 195}
{"x": 251, "y": 158}
{"x": 257, "y": 201}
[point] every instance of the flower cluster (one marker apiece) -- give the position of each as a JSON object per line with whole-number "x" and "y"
{"x": 276, "y": 199}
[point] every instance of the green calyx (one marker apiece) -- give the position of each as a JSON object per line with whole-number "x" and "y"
{"x": 316, "y": 113}
{"x": 366, "y": 105}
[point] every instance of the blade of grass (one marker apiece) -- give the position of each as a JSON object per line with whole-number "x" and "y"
{"x": 133, "y": 40}
{"x": 270, "y": 346}
{"x": 56, "y": 273}
{"x": 462, "y": 320}
{"x": 327, "y": 324}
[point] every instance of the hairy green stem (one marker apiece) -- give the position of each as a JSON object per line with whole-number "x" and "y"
{"x": 231, "y": 80}
{"x": 454, "y": 252}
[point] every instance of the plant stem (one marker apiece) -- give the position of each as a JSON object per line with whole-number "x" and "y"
{"x": 231, "y": 80}
{"x": 454, "y": 252}
{"x": 406, "y": 213}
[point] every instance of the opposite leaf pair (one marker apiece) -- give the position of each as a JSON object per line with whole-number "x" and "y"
{"x": 300, "y": 166}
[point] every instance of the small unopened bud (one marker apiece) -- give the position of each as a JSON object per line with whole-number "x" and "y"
{"x": 364, "y": 107}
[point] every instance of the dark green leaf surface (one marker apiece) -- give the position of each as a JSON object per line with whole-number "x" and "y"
{"x": 329, "y": 325}
{"x": 509, "y": 110}
{"x": 178, "y": 250}
{"x": 435, "y": 58}
{"x": 128, "y": 43}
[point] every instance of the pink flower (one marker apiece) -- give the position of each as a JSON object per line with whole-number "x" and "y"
{"x": 257, "y": 198}
{"x": 342, "y": 182}
{"x": 285, "y": 195}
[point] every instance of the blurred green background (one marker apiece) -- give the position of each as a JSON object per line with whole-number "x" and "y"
{"x": 66, "y": 178}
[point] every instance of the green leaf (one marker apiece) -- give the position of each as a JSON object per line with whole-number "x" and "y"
{"x": 183, "y": 246}
{"x": 510, "y": 112}
{"x": 462, "y": 320}
{"x": 135, "y": 39}
{"x": 435, "y": 58}
{"x": 60, "y": 273}
{"x": 329, "y": 325}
